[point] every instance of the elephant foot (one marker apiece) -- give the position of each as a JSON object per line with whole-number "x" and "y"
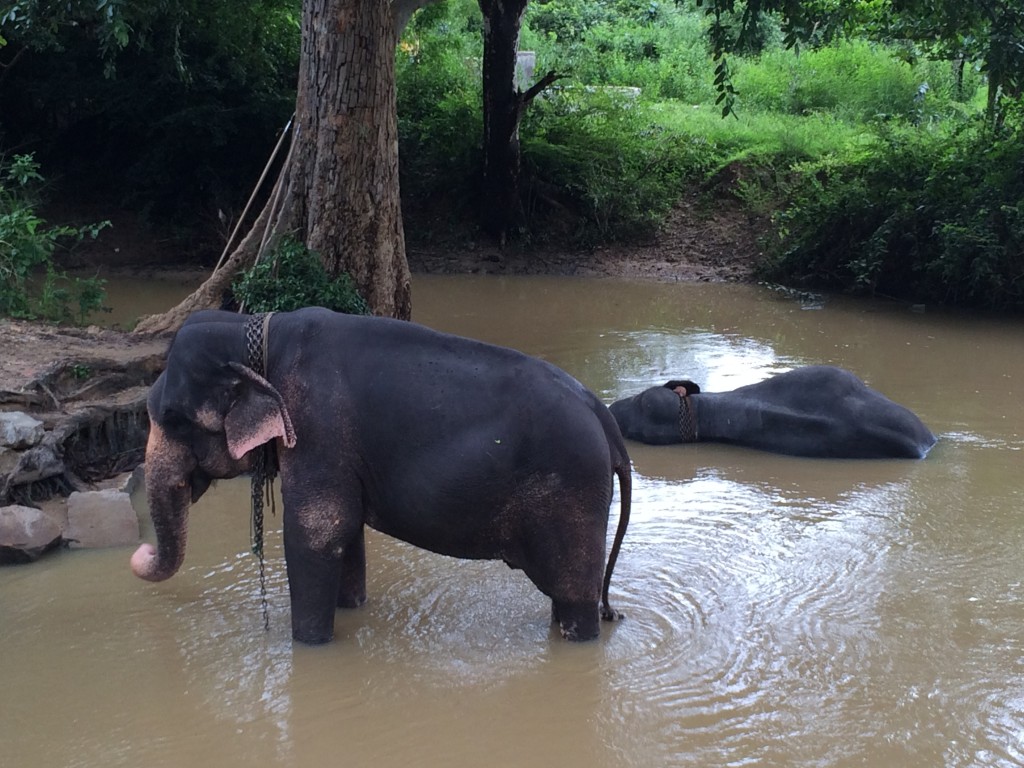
{"x": 610, "y": 614}
{"x": 351, "y": 600}
{"x": 313, "y": 628}
{"x": 577, "y": 622}
{"x": 311, "y": 637}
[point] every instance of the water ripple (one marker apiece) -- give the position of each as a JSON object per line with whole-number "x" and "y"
{"x": 736, "y": 617}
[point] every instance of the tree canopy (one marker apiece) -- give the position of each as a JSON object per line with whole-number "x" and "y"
{"x": 171, "y": 108}
{"x": 989, "y": 32}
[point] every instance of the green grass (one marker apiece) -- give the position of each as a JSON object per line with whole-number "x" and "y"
{"x": 765, "y": 134}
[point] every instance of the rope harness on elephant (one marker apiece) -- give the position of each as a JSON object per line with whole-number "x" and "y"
{"x": 264, "y": 466}
{"x": 687, "y": 422}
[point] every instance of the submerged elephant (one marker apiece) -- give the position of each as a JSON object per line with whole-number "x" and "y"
{"x": 450, "y": 444}
{"x": 818, "y": 410}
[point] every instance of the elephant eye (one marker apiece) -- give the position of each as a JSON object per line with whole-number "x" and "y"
{"x": 173, "y": 421}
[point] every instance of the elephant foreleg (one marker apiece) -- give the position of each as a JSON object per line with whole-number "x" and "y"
{"x": 352, "y": 585}
{"x": 315, "y": 547}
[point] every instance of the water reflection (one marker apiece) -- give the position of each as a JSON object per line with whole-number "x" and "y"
{"x": 780, "y": 611}
{"x": 716, "y": 362}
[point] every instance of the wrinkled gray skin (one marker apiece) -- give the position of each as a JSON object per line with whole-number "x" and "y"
{"x": 456, "y": 446}
{"x": 818, "y": 411}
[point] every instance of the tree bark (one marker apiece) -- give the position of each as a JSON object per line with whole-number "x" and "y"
{"x": 338, "y": 191}
{"x": 503, "y": 105}
{"x": 345, "y": 184}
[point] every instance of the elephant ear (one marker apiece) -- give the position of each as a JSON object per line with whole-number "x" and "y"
{"x": 258, "y": 415}
{"x": 685, "y": 384}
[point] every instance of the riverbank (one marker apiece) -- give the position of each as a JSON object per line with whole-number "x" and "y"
{"x": 701, "y": 240}
{"x": 83, "y": 382}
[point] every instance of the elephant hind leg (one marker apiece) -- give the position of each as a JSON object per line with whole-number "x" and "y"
{"x": 577, "y": 621}
{"x": 610, "y": 614}
{"x": 574, "y": 588}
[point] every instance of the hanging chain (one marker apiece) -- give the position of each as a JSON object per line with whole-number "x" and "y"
{"x": 264, "y": 466}
{"x": 687, "y": 426}
{"x": 256, "y": 529}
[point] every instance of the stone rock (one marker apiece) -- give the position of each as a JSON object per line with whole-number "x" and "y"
{"x": 8, "y": 461}
{"x": 25, "y": 534}
{"x": 101, "y": 519}
{"x": 19, "y": 430}
{"x": 38, "y": 463}
{"x": 135, "y": 480}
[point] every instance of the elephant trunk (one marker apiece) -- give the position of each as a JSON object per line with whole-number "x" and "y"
{"x": 168, "y": 489}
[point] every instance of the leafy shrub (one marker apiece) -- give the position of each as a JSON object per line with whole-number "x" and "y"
{"x": 170, "y": 108}
{"x": 31, "y": 287}
{"x": 855, "y": 80}
{"x": 594, "y": 156}
{"x": 928, "y": 216}
{"x": 653, "y": 46}
{"x": 440, "y": 123}
{"x": 291, "y": 276}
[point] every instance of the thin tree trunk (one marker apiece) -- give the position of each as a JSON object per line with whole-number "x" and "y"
{"x": 338, "y": 192}
{"x": 502, "y": 212}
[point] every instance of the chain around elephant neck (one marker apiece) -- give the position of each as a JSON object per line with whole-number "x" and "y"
{"x": 264, "y": 465}
{"x": 687, "y": 422}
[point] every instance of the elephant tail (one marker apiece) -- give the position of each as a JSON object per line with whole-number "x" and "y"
{"x": 623, "y": 471}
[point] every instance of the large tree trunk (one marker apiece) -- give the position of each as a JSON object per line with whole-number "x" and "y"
{"x": 345, "y": 178}
{"x": 338, "y": 191}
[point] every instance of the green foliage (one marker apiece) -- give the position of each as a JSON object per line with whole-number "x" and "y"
{"x": 439, "y": 115}
{"x": 596, "y": 166}
{"x": 290, "y": 277}
{"x": 31, "y": 287}
{"x": 854, "y": 80}
{"x": 80, "y": 372}
{"x": 596, "y": 159}
{"x": 653, "y": 46}
{"x": 169, "y": 106}
{"x": 173, "y": 105}
{"x": 789, "y": 138}
{"x": 931, "y": 216}
{"x": 985, "y": 34}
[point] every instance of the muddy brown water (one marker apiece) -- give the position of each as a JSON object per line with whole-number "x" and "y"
{"x": 780, "y": 611}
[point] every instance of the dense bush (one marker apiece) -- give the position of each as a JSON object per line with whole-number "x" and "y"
{"x": 163, "y": 107}
{"x": 596, "y": 166}
{"x": 929, "y": 216}
{"x": 855, "y": 80}
{"x": 598, "y": 169}
{"x": 652, "y": 46}
{"x": 31, "y": 287}
{"x": 440, "y": 122}
{"x": 291, "y": 277}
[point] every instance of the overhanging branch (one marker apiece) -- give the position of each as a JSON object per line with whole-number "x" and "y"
{"x": 534, "y": 90}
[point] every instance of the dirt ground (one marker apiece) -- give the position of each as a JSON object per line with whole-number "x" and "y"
{"x": 699, "y": 242}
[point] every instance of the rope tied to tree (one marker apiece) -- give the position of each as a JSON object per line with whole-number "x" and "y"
{"x": 264, "y": 466}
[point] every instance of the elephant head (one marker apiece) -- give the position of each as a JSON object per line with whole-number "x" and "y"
{"x": 207, "y": 411}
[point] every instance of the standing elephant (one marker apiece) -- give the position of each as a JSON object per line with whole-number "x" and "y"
{"x": 453, "y": 445}
{"x": 818, "y": 410}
